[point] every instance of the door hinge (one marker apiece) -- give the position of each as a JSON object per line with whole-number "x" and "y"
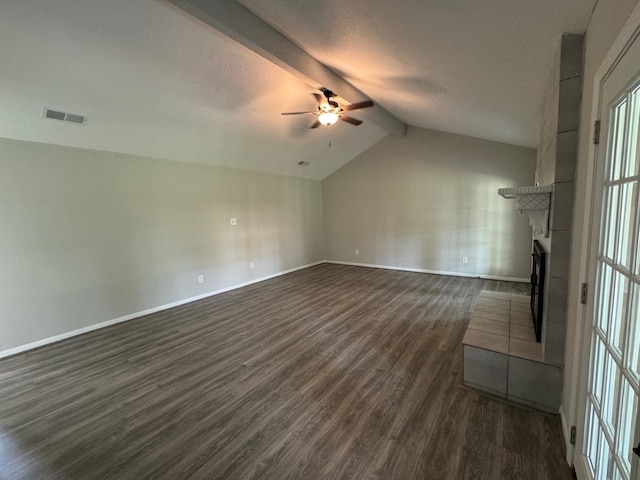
{"x": 583, "y": 293}
{"x": 572, "y": 440}
{"x": 596, "y": 132}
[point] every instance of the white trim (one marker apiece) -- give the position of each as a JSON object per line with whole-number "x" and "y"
{"x": 619, "y": 47}
{"x": 433, "y": 272}
{"x": 581, "y": 468}
{"x": 566, "y": 433}
{"x": 580, "y": 356}
{"x": 97, "y": 326}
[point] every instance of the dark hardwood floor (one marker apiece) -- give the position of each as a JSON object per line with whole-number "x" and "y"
{"x": 332, "y": 372}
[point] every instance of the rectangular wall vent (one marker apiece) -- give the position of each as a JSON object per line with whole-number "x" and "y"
{"x": 72, "y": 117}
{"x": 64, "y": 116}
{"x": 53, "y": 114}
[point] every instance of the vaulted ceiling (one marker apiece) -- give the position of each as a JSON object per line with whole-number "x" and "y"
{"x": 156, "y": 80}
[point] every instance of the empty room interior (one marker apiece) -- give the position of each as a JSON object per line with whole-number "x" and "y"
{"x": 278, "y": 239}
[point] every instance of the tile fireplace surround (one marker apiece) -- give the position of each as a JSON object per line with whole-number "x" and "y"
{"x": 501, "y": 355}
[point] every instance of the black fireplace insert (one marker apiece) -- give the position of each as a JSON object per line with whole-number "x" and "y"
{"x": 537, "y": 287}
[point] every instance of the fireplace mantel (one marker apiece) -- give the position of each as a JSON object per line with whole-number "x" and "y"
{"x": 535, "y": 201}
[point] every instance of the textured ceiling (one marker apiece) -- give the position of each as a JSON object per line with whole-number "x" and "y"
{"x": 154, "y": 81}
{"x": 472, "y": 67}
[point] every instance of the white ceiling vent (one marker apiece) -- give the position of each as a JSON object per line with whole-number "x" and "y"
{"x": 64, "y": 116}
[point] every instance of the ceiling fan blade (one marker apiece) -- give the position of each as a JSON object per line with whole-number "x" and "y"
{"x": 298, "y": 113}
{"x": 319, "y": 98}
{"x": 357, "y": 105}
{"x": 351, "y": 120}
{"x": 315, "y": 124}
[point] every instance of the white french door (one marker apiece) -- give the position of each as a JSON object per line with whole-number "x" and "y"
{"x": 611, "y": 425}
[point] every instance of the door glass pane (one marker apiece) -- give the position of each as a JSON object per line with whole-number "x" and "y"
{"x": 604, "y": 458}
{"x": 592, "y": 438}
{"x": 617, "y": 475}
{"x": 633, "y": 350}
{"x": 604, "y": 298}
{"x": 628, "y": 413}
{"x": 610, "y": 220}
{"x": 609, "y": 394}
{"x": 633, "y": 155}
{"x": 597, "y": 373}
{"x": 617, "y": 140}
{"x": 618, "y": 320}
{"x": 627, "y": 224}
{"x": 637, "y": 229}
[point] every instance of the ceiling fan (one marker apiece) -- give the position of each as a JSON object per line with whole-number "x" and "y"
{"x": 329, "y": 112}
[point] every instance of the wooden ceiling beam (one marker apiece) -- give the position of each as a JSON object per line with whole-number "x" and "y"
{"x": 241, "y": 25}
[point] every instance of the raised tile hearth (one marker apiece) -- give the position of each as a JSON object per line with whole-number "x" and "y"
{"x": 501, "y": 355}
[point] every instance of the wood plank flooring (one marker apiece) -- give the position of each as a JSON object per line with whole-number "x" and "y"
{"x": 332, "y": 372}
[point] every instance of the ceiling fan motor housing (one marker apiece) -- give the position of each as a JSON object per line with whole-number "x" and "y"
{"x": 330, "y": 112}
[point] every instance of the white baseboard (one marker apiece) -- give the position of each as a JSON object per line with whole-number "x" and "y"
{"x": 566, "y": 435}
{"x": 434, "y": 272}
{"x": 97, "y": 326}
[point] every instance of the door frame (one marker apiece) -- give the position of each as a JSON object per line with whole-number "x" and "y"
{"x": 582, "y": 340}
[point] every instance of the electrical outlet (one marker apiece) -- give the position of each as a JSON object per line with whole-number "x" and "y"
{"x": 465, "y": 259}
{"x": 200, "y": 278}
{"x": 233, "y": 221}
{"x": 250, "y": 264}
{"x": 357, "y": 252}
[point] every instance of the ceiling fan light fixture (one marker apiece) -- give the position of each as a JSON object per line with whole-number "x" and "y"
{"x": 328, "y": 118}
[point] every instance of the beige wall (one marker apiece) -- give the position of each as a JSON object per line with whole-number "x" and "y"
{"x": 426, "y": 200}
{"x": 88, "y": 236}
{"x": 560, "y": 111}
{"x": 606, "y": 23}
{"x": 547, "y": 145}
{"x": 546, "y": 164}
